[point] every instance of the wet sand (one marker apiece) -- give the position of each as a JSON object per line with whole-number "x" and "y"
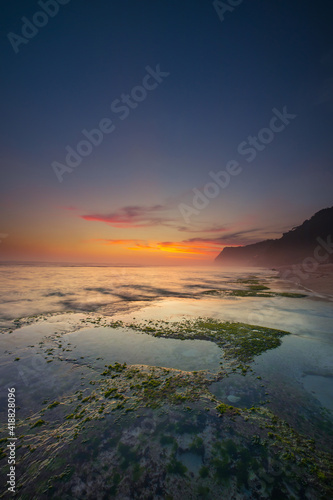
{"x": 319, "y": 281}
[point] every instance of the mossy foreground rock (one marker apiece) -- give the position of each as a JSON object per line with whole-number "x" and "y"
{"x": 175, "y": 451}
{"x": 239, "y": 340}
{"x": 143, "y": 432}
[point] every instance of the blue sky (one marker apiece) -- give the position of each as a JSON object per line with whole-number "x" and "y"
{"x": 224, "y": 80}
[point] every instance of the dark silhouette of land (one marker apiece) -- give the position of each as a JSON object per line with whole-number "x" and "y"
{"x": 309, "y": 243}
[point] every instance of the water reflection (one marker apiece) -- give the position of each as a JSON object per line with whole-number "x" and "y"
{"x": 135, "y": 348}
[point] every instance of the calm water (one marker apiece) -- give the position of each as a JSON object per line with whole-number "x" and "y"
{"x": 28, "y": 290}
{"x": 133, "y": 348}
{"x": 304, "y": 359}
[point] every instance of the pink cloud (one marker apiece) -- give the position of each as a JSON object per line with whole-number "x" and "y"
{"x": 132, "y": 216}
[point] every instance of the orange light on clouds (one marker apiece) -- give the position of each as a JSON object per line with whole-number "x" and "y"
{"x": 181, "y": 248}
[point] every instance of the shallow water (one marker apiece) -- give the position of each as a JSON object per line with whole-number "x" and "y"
{"x": 28, "y": 290}
{"x": 61, "y": 355}
{"x": 321, "y": 388}
{"x": 305, "y": 359}
{"x": 139, "y": 348}
{"x": 295, "y": 360}
{"x": 239, "y": 391}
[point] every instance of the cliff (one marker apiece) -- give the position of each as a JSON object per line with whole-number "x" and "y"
{"x": 293, "y": 247}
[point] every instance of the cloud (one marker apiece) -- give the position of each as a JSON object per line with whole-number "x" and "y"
{"x": 173, "y": 248}
{"x": 212, "y": 229}
{"x": 115, "y": 242}
{"x": 147, "y": 216}
{"x": 136, "y": 216}
{"x": 238, "y": 238}
{"x": 132, "y": 217}
{"x": 180, "y": 248}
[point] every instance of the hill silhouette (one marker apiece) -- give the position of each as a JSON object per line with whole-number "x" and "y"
{"x": 299, "y": 243}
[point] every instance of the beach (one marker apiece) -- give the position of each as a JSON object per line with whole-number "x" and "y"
{"x": 216, "y": 384}
{"x": 319, "y": 280}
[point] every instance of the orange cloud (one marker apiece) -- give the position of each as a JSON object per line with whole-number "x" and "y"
{"x": 115, "y": 242}
{"x": 132, "y": 217}
{"x": 183, "y": 247}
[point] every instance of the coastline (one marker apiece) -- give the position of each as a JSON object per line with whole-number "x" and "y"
{"x": 319, "y": 281}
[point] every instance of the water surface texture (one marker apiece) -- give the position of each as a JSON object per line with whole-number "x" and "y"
{"x": 26, "y": 290}
{"x": 108, "y": 377}
{"x": 135, "y": 348}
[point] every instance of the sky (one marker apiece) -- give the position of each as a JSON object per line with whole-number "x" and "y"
{"x": 156, "y": 133}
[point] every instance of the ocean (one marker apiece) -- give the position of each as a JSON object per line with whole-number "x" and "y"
{"x": 123, "y": 355}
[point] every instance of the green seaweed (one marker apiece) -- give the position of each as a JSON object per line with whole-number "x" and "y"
{"x": 292, "y": 295}
{"x": 38, "y": 423}
{"x": 53, "y": 405}
{"x": 176, "y": 467}
{"x": 230, "y": 410}
{"x": 128, "y": 453}
{"x": 197, "y": 446}
{"x": 117, "y": 368}
{"x": 240, "y": 341}
{"x": 166, "y": 440}
{"x": 204, "y": 472}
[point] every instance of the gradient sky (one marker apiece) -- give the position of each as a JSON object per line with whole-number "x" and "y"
{"x": 121, "y": 204}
